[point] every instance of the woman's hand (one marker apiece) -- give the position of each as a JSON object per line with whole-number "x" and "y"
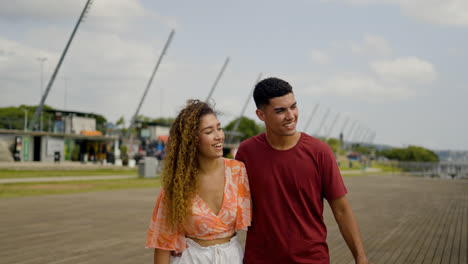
{"x": 162, "y": 256}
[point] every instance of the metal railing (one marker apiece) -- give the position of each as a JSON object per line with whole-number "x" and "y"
{"x": 445, "y": 169}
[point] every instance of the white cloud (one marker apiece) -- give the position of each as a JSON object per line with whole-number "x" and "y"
{"x": 59, "y": 9}
{"x": 446, "y": 12}
{"x": 371, "y": 44}
{"x": 443, "y": 12}
{"x": 356, "y": 2}
{"x": 388, "y": 80}
{"x": 319, "y": 56}
{"x": 115, "y": 15}
{"x": 356, "y": 48}
{"x": 22, "y": 10}
{"x": 119, "y": 75}
{"x": 378, "y": 43}
{"x": 17, "y": 58}
{"x": 361, "y": 87}
{"x": 169, "y": 21}
{"x": 107, "y": 15}
{"x": 409, "y": 69}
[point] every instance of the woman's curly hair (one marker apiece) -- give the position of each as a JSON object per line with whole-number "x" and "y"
{"x": 180, "y": 171}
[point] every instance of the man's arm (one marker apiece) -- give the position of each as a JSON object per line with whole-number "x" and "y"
{"x": 349, "y": 228}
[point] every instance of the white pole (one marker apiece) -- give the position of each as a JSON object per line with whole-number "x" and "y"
{"x": 331, "y": 127}
{"x": 132, "y": 122}
{"x": 310, "y": 118}
{"x": 217, "y": 79}
{"x": 25, "y": 119}
{"x": 42, "y": 60}
{"x": 322, "y": 123}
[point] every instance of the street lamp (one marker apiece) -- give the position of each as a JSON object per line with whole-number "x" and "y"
{"x": 42, "y": 60}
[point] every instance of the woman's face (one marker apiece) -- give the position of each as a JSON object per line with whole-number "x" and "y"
{"x": 211, "y": 137}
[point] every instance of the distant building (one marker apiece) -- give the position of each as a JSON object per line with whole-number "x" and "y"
{"x": 76, "y": 124}
{"x": 73, "y": 137}
{"x": 152, "y": 131}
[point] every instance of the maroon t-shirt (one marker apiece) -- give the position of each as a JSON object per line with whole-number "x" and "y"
{"x": 288, "y": 187}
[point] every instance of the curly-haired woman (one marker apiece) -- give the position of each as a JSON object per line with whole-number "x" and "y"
{"x": 205, "y": 197}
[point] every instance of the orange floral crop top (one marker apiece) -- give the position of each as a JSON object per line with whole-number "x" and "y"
{"x": 235, "y": 213}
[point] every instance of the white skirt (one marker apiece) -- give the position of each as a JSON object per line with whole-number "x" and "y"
{"x": 228, "y": 253}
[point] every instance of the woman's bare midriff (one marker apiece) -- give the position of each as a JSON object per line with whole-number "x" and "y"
{"x": 207, "y": 243}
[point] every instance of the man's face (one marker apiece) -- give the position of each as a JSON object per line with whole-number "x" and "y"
{"x": 280, "y": 116}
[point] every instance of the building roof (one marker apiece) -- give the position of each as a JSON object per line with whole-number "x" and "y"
{"x": 52, "y": 134}
{"x": 71, "y": 112}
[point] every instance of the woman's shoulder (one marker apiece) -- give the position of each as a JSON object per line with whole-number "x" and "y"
{"x": 236, "y": 170}
{"x": 233, "y": 163}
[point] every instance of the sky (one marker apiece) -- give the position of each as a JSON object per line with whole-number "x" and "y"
{"x": 396, "y": 68}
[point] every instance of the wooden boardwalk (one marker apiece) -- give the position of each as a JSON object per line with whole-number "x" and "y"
{"x": 403, "y": 220}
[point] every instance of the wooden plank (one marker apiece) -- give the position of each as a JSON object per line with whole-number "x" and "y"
{"x": 435, "y": 245}
{"x": 463, "y": 251}
{"x": 454, "y": 249}
{"x": 395, "y": 242}
{"x": 111, "y": 226}
{"x": 425, "y": 236}
{"x": 450, "y": 233}
{"x": 410, "y": 239}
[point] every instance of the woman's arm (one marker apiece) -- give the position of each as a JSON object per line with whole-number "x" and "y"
{"x": 161, "y": 256}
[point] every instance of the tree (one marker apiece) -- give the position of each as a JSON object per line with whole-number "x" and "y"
{"x": 101, "y": 122}
{"x": 361, "y": 149}
{"x": 411, "y": 153}
{"x": 163, "y": 120}
{"x": 247, "y": 127}
{"x": 143, "y": 119}
{"x": 119, "y": 122}
{"x": 13, "y": 117}
{"x": 334, "y": 144}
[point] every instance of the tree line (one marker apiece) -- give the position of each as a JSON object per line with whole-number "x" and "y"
{"x": 14, "y": 117}
{"x": 411, "y": 153}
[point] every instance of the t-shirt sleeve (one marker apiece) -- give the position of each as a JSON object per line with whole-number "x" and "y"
{"x": 160, "y": 235}
{"x": 244, "y": 201}
{"x": 239, "y": 155}
{"x": 332, "y": 183}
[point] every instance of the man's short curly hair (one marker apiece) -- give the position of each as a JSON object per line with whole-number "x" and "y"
{"x": 270, "y": 88}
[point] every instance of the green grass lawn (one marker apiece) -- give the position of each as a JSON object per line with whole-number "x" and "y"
{"x": 386, "y": 166}
{"x": 344, "y": 166}
{"x": 9, "y": 174}
{"x": 363, "y": 173}
{"x": 10, "y": 190}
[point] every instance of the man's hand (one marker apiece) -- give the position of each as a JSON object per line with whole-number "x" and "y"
{"x": 362, "y": 260}
{"x": 348, "y": 227}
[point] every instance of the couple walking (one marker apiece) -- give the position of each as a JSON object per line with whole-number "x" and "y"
{"x": 275, "y": 188}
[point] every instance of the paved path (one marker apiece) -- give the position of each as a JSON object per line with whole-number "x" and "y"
{"x": 67, "y": 165}
{"x": 367, "y": 170}
{"x": 403, "y": 220}
{"x": 108, "y": 177}
{"x": 66, "y": 178}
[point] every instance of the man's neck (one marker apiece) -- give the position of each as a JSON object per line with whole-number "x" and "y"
{"x": 282, "y": 142}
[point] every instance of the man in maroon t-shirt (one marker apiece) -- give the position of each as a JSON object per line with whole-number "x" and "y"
{"x": 290, "y": 173}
